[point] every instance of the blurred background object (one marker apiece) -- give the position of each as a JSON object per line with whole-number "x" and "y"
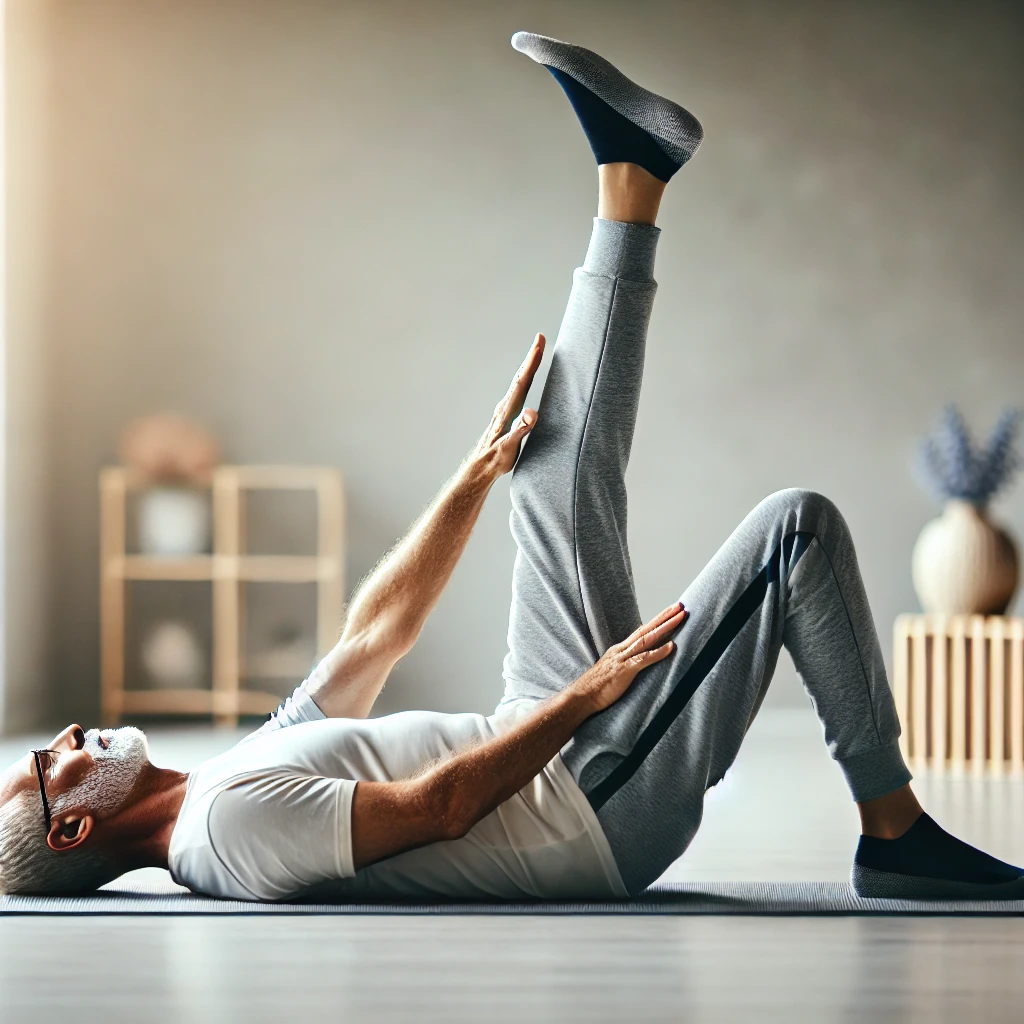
{"x": 168, "y": 450}
{"x": 172, "y": 656}
{"x": 963, "y": 563}
{"x": 173, "y": 521}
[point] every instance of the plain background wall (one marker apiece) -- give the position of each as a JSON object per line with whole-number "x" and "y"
{"x": 329, "y": 230}
{"x": 27, "y": 669}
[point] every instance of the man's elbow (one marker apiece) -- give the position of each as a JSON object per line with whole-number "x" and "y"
{"x": 375, "y": 642}
{"x": 384, "y": 635}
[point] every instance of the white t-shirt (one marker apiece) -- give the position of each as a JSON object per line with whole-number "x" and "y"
{"x": 271, "y": 819}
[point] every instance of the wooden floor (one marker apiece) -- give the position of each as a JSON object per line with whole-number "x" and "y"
{"x": 782, "y": 813}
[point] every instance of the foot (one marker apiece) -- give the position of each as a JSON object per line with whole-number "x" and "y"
{"x": 926, "y": 862}
{"x": 623, "y": 122}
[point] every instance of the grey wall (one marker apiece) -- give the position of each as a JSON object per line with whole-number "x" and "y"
{"x": 329, "y": 230}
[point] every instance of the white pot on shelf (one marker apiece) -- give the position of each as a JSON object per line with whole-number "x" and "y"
{"x": 172, "y": 656}
{"x": 174, "y": 521}
{"x": 964, "y": 564}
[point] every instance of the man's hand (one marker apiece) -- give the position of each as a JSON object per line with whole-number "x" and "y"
{"x": 498, "y": 449}
{"x": 609, "y": 678}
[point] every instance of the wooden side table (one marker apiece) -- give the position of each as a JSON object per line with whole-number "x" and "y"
{"x": 227, "y": 569}
{"x": 959, "y": 687}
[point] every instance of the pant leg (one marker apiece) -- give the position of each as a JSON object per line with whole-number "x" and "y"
{"x": 787, "y": 576}
{"x": 572, "y": 586}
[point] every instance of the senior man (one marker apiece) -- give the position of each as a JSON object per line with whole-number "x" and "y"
{"x": 589, "y": 778}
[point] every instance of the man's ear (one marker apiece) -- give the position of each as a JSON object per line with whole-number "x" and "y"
{"x": 68, "y": 831}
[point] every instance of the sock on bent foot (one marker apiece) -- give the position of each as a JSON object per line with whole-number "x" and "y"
{"x": 927, "y": 850}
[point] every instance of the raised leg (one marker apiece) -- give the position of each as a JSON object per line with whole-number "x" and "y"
{"x": 572, "y": 585}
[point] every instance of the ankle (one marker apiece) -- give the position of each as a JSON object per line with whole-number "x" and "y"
{"x": 889, "y": 816}
{"x": 628, "y": 193}
{"x": 888, "y": 829}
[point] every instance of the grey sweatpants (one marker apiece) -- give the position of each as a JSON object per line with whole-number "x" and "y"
{"x": 788, "y": 575}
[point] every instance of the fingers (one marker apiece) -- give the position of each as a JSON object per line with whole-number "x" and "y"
{"x": 645, "y": 658}
{"x": 520, "y": 386}
{"x": 663, "y": 616}
{"x": 651, "y": 633}
{"x": 531, "y": 363}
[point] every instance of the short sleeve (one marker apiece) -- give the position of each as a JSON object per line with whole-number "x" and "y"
{"x": 295, "y": 710}
{"x": 283, "y": 832}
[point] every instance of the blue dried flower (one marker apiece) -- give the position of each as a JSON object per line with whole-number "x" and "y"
{"x": 950, "y": 466}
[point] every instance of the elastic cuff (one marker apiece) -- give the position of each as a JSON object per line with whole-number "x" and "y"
{"x": 618, "y": 249}
{"x": 298, "y": 708}
{"x": 875, "y": 772}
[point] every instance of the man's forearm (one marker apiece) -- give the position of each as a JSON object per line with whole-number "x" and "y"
{"x": 470, "y": 785}
{"x": 389, "y": 610}
{"x": 403, "y": 589}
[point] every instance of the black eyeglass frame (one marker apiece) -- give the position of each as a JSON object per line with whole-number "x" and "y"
{"x": 42, "y": 784}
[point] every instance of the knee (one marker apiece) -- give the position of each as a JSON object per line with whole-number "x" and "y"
{"x": 805, "y": 509}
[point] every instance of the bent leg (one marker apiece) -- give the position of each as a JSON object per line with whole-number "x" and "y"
{"x": 787, "y": 576}
{"x": 572, "y": 585}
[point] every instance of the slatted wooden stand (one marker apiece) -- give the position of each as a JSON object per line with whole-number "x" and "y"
{"x": 959, "y": 687}
{"x": 228, "y": 569}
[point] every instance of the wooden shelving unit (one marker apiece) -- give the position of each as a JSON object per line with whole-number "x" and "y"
{"x": 227, "y": 570}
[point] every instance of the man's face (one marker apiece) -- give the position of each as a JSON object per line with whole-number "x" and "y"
{"x": 93, "y": 775}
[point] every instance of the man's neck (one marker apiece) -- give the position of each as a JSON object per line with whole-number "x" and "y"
{"x": 141, "y": 833}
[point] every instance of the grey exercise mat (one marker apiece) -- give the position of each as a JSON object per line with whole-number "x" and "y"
{"x": 159, "y": 896}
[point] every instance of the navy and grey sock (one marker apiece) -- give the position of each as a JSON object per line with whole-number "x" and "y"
{"x": 927, "y": 862}
{"x": 623, "y": 122}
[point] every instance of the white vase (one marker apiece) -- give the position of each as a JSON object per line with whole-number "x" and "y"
{"x": 172, "y": 656}
{"x": 174, "y": 521}
{"x": 964, "y": 564}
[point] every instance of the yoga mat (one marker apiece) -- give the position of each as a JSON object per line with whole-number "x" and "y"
{"x": 751, "y": 898}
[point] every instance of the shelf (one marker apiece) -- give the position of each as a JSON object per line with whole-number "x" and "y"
{"x": 151, "y": 567}
{"x": 196, "y": 702}
{"x": 247, "y": 568}
{"x": 283, "y": 569}
{"x": 226, "y": 568}
{"x": 249, "y": 478}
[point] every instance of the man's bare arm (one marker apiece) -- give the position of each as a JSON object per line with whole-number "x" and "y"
{"x": 446, "y": 802}
{"x": 389, "y": 610}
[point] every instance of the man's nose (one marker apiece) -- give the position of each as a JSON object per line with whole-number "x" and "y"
{"x": 72, "y": 738}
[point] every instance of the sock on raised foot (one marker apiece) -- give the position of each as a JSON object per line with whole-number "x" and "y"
{"x": 612, "y": 137}
{"x": 927, "y": 861}
{"x": 623, "y": 122}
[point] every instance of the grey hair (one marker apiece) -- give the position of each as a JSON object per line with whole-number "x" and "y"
{"x": 28, "y": 865}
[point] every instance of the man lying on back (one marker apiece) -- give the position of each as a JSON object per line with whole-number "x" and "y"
{"x": 589, "y": 779}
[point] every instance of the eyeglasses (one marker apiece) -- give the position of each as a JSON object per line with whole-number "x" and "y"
{"x": 45, "y": 760}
